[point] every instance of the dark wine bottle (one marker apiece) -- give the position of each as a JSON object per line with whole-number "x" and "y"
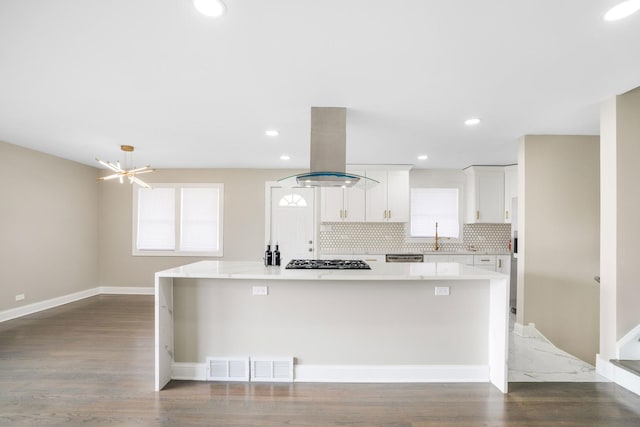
{"x": 268, "y": 256}
{"x": 276, "y": 256}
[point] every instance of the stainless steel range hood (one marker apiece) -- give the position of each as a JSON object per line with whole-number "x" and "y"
{"x": 328, "y": 151}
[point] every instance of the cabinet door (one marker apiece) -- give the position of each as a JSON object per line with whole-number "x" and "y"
{"x": 463, "y": 259}
{"x": 510, "y": 191}
{"x": 490, "y": 196}
{"x": 503, "y": 264}
{"x": 354, "y": 202}
{"x": 485, "y": 194}
{"x": 398, "y": 196}
{"x": 376, "y": 198}
{"x": 332, "y": 200}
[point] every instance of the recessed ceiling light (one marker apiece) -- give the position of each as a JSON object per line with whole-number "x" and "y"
{"x": 271, "y": 132}
{"x": 622, "y": 10}
{"x": 213, "y": 8}
{"x": 423, "y": 157}
{"x": 285, "y": 157}
{"x": 472, "y": 122}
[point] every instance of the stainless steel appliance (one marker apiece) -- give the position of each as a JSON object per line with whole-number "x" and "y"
{"x": 328, "y": 264}
{"x": 404, "y": 258}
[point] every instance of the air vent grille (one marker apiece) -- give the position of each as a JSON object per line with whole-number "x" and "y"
{"x": 272, "y": 370}
{"x": 228, "y": 369}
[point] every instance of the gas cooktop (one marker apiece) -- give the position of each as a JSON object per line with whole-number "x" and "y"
{"x": 328, "y": 264}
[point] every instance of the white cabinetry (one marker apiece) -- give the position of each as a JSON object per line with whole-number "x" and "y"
{"x": 488, "y": 262}
{"x": 387, "y": 201}
{"x": 499, "y": 263}
{"x": 484, "y": 201}
{"x": 343, "y": 204}
{"x": 510, "y": 191}
{"x": 503, "y": 264}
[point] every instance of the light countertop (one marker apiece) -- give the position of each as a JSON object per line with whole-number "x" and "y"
{"x": 379, "y": 271}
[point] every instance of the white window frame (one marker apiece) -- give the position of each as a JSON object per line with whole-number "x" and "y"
{"x": 431, "y": 239}
{"x": 177, "y": 252}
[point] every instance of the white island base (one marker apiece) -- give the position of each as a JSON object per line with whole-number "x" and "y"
{"x": 381, "y": 325}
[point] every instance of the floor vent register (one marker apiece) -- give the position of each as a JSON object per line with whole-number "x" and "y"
{"x": 249, "y": 369}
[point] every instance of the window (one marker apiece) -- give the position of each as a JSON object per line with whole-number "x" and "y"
{"x": 431, "y": 205}
{"x": 293, "y": 200}
{"x": 178, "y": 220}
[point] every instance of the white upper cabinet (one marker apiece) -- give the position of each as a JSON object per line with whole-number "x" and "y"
{"x": 484, "y": 201}
{"x": 343, "y": 204}
{"x": 510, "y": 191}
{"x": 388, "y": 201}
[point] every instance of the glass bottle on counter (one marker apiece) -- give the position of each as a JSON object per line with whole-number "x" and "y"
{"x": 268, "y": 256}
{"x": 276, "y": 256}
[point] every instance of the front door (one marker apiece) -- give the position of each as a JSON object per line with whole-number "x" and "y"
{"x": 292, "y": 222}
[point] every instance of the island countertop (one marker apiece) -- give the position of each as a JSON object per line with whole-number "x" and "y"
{"x": 379, "y": 271}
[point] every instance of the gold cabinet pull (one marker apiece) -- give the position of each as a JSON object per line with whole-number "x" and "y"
{"x": 499, "y": 263}
{"x": 506, "y": 214}
{"x": 477, "y": 214}
{"x": 389, "y": 214}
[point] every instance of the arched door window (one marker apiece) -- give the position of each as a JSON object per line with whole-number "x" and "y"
{"x": 292, "y": 200}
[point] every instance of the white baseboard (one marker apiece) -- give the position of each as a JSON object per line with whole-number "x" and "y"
{"x": 605, "y": 368}
{"x": 627, "y": 380}
{"x": 14, "y": 313}
{"x": 618, "y": 375}
{"x": 361, "y": 373}
{"x": 25, "y": 310}
{"x": 392, "y": 373}
{"x": 189, "y": 371}
{"x": 131, "y": 290}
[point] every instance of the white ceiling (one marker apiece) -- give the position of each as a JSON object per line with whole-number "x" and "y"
{"x": 78, "y": 78}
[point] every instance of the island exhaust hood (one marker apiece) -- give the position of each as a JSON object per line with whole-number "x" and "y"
{"x": 329, "y": 151}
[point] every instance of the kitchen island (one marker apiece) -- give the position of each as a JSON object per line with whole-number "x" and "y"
{"x": 416, "y": 322}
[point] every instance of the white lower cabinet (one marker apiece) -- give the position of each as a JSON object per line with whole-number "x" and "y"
{"x": 499, "y": 263}
{"x": 503, "y": 264}
{"x": 488, "y": 262}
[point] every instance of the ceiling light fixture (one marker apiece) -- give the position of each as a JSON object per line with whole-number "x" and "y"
{"x": 622, "y": 10}
{"x": 285, "y": 157}
{"x": 423, "y": 157}
{"x": 472, "y": 122}
{"x": 271, "y": 132}
{"x": 121, "y": 173}
{"x": 213, "y": 8}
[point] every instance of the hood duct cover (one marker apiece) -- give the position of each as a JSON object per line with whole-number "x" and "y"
{"x": 329, "y": 151}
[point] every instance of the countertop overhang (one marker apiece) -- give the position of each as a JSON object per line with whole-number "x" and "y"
{"x": 379, "y": 271}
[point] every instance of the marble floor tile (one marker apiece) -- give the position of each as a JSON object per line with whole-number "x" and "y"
{"x": 534, "y": 359}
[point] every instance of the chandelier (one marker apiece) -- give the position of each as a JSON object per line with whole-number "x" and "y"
{"x": 122, "y": 173}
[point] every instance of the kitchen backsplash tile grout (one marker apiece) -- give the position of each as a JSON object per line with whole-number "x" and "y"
{"x": 383, "y": 237}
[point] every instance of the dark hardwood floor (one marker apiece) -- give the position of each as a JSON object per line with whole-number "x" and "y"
{"x": 91, "y": 363}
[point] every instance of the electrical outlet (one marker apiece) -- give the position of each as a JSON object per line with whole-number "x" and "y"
{"x": 442, "y": 290}
{"x": 19, "y": 297}
{"x": 260, "y": 290}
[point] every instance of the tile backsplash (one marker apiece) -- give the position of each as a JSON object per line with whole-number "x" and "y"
{"x": 386, "y": 237}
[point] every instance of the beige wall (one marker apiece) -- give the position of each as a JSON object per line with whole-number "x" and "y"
{"x": 244, "y": 207}
{"x": 48, "y": 226}
{"x": 328, "y": 322}
{"x": 560, "y": 241}
{"x": 621, "y": 228}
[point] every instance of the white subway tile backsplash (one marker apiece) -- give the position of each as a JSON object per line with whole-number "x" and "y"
{"x": 341, "y": 237}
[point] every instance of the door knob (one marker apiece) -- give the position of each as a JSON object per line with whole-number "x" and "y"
{"x": 310, "y": 250}
{"x": 310, "y": 242}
